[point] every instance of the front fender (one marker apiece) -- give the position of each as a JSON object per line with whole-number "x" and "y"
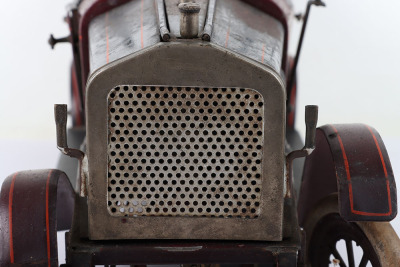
{"x": 350, "y": 159}
{"x": 33, "y": 206}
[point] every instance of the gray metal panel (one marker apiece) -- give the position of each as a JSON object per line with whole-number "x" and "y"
{"x": 122, "y": 31}
{"x": 248, "y": 31}
{"x": 173, "y": 64}
{"x": 174, "y": 16}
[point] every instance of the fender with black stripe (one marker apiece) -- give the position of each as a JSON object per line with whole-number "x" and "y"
{"x": 33, "y": 206}
{"x": 350, "y": 159}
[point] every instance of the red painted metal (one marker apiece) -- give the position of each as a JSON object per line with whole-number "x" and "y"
{"x": 291, "y": 113}
{"x": 364, "y": 157}
{"x": 10, "y": 221}
{"x": 48, "y": 220}
{"x": 350, "y": 159}
{"x": 28, "y": 212}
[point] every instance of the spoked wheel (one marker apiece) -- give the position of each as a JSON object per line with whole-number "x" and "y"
{"x": 328, "y": 232}
{"x": 332, "y": 241}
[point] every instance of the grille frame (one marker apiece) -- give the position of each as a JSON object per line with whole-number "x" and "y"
{"x": 153, "y": 67}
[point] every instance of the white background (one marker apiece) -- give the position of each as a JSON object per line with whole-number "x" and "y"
{"x": 349, "y": 67}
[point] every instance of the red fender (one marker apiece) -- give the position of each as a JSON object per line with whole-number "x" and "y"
{"x": 30, "y": 216}
{"x": 350, "y": 159}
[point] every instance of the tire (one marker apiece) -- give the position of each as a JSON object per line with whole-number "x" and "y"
{"x": 324, "y": 228}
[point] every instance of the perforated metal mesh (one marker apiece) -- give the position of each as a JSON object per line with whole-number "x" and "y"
{"x": 183, "y": 151}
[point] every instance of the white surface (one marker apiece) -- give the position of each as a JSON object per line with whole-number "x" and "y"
{"x": 349, "y": 67}
{"x": 349, "y": 63}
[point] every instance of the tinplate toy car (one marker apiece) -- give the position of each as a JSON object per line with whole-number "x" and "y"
{"x": 183, "y": 138}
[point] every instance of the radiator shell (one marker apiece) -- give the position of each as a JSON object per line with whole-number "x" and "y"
{"x": 173, "y": 64}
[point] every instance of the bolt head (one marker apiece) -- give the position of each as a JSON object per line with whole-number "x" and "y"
{"x": 189, "y": 8}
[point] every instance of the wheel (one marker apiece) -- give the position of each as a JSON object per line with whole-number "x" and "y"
{"x": 332, "y": 241}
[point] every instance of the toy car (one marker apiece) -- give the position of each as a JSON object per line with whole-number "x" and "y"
{"x": 183, "y": 142}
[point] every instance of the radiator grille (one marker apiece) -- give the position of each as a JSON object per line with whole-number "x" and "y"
{"x": 185, "y": 151}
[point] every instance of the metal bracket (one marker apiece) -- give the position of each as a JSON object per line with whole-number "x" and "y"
{"x": 60, "y": 113}
{"x": 311, "y": 119}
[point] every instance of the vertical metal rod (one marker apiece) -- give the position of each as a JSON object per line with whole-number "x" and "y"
{"x": 206, "y": 36}
{"x": 311, "y": 119}
{"x": 60, "y": 114}
{"x": 164, "y": 32}
{"x": 300, "y": 44}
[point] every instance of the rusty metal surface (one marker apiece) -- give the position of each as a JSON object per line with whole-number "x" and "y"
{"x": 174, "y": 16}
{"x": 33, "y": 206}
{"x": 154, "y": 66}
{"x": 184, "y": 151}
{"x": 248, "y": 31}
{"x": 353, "y": 161}
{"x": 122, "y": 31}
{"x": 84, "y": 252}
